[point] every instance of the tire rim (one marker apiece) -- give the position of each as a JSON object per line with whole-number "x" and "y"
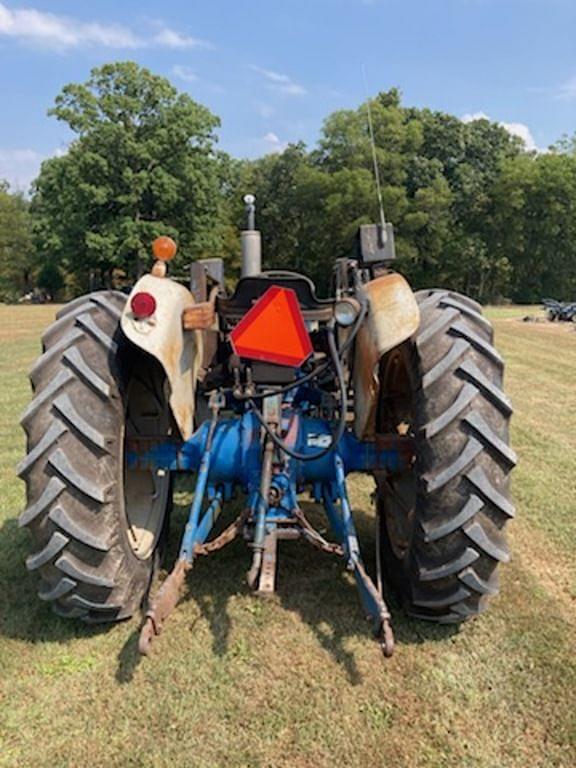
{"x": 397, "y": 493}
{"x": 146, "y": 492}
{"x": 397, "y": 504}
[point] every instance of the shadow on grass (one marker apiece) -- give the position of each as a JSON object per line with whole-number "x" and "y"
{"x": 129, "y": 658}
{"x": 310, "y": 583}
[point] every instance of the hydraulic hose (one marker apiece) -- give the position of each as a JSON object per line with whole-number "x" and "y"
{"x": 320, "y": 369}
{"x": 337, "y": 434}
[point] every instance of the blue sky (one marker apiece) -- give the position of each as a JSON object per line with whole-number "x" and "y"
{"x": 273, "y": 70}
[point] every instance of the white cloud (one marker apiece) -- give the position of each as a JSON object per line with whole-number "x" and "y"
{"x": 523, "y": 132}
{"x": 170, "y": 38}
{"x": 470, "y": 117}
{"x": 280, "y": 83}
{"x": 273, "y": 143}
{"x": 50, "y": 30}
{"x": 184, "y": 73}
{"x": 61, "y": 31}
{"x": 20, "y": 167}
{"x": 514, "y": 129}
{"x": 188, "y": 75}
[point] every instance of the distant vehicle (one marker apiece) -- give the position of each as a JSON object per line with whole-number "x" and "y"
{"x": 35, "y": 297}
{"x": 563, "y": 311}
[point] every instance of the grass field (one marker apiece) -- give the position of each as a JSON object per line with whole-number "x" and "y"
{"x": 297, "y": 681}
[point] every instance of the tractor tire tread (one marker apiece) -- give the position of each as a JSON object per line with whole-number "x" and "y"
{"x": 464, "y": 462}
{"x": 79, "y": 549}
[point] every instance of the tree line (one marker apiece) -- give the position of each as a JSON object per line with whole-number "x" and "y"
{"x": 473, "y": 209}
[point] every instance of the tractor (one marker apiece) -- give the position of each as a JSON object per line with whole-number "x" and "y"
{"x": 267, "y": 393}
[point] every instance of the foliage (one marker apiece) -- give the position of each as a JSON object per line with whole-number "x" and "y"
{"x": 535, "y": 225}
{"x": 50, "y": 280}
{"x": 143, "y": 164}
{"x": 16, "y": 252}
{"x": 437, "y": 175}
{"x": 473, "y": 210}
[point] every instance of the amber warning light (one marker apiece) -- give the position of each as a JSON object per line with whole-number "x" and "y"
{"x": 273, "y": 331}
{"x": 164, "y": 248}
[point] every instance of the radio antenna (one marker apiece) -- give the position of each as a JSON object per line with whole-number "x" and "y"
{"x": 375, "y": 159}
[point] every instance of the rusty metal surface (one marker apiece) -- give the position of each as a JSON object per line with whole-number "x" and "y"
{"x": 393, "y": 317}
{"x": 387, "y": 639}
{"x": 314, "y": 537}
{"x": 288, "y": 534}
{"x": 228, "y": 535}
{"x": 162, "y": 606}
{"x": 267, "y": 580}
{"x": 200, "y": 317}
{"x": 260, "y": 529}
{"x": 162, "y": 335}
{"x": 383, "y": 629}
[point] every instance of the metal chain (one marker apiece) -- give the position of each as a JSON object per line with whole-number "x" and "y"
{"x": 314, "y": 537}
{"x": 227, "y": 535}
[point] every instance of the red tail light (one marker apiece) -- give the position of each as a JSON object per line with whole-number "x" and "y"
{"x": 143, "y": 305}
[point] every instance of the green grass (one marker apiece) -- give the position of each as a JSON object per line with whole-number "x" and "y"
{"x": 296, "y": 681}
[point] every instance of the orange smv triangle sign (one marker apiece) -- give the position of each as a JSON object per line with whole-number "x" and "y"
{"x": 273, "y": 330}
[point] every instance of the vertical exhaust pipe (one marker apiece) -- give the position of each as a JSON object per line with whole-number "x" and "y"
{"x": 251, "y": 241}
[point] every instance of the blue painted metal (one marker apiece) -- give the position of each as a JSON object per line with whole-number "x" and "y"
{"x": 263, "y": 505}
{"x": 208, "y": 520}
{"x": 237, "y": 448}
{"x": 229, "y": 454}
{"x": 190, "y": 537}
{"x": 340, "y": 514}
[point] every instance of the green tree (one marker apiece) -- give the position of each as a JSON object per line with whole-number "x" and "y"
{"x": 143, "y": 164}
{"x": 16, "y": 251}
{"x": 535, "y": 225}
{"x": 438, "y": 177}
{"x": 49, "y": 279}
{"x": 324, "y": 197}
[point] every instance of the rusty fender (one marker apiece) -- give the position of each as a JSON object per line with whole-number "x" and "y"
{"x": 393, "y": 317}
{"x": 179, "y": 351}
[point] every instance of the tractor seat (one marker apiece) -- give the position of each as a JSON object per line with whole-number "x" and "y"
{"x": 250, "y": 289}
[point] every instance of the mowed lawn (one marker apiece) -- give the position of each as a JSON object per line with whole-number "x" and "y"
{"x": 297, "y": 681}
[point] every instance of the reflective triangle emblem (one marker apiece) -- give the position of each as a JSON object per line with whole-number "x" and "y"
{"x": 273, "y": 330}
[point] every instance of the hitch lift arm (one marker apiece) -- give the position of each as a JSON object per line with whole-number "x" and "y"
{"x": 230, "y": 453}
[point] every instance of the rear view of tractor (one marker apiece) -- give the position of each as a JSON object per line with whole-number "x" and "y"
{"x": 266, "y": 394}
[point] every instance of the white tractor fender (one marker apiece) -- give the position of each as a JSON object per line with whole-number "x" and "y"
{"x": 162, "y": 335}
{"x": 393, "y": 317}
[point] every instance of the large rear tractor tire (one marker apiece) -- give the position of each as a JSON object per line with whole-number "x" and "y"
{"x": 441, "y": 524}
{"x": 96, "y": 526}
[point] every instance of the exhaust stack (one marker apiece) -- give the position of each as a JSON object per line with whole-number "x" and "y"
{"x": 251, "y": 241}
